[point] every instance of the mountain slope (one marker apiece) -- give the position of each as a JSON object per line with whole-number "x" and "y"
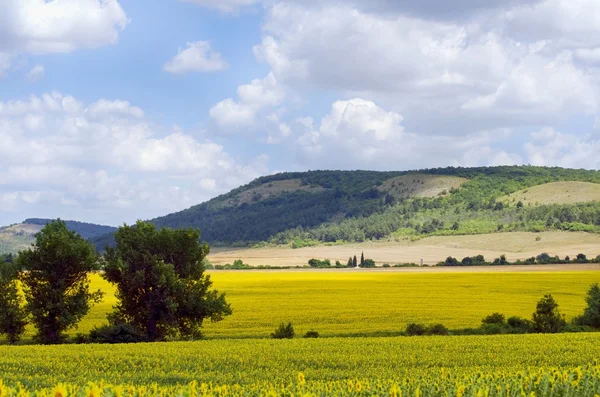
{"x": 337, "y": 206}
{"x": 18, "y": 237}
{"x": 556, "y": 193}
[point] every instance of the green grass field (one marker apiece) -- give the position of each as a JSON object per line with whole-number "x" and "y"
{"x": 568, "y": 192}
{"x": 368, "y": 303}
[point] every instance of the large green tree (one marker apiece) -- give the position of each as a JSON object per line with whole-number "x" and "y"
{"x": 13, "y": 316}
{"x": 55, "y": 280}
{"x": 591, "y": 314}
{"x": 161, "y": 285}
{"x": 547, "y": 318}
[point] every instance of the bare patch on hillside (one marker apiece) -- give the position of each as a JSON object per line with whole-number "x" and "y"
{"x": 421, "y": 185}
{"x": 556, "y": 193}
{"x": 269, "y": 190}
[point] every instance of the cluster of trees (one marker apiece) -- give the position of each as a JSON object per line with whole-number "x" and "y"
{"x": 352, "y": 263}
{"x": 546, "y": 319}
{"x": 162, "y": 290}
{"x": 542, "y": 259}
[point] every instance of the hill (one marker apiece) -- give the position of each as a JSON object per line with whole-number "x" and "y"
{"x": 307, "y": 208}
{"x": 17, "y": 237}
{"x": 556, "y": 193}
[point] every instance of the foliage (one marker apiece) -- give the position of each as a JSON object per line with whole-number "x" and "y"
{"x": 311, "y": 334}
{"x": 161, "y": 285}
{"x": 284, "y": 332}
{"x": 547, "y": 318}
{"x": 495, "y": 318}
{"x": 116, "y": 333}
{"x": 55, "y": 280}
{"x": 591, "y": 314}
{"x": 414, "y": 329}
{"x": 13, "y": 317}
{"x": 85, "y": 230}
{"x": 319, "y": 264}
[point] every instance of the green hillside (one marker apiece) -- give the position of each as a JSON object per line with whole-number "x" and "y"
{"x": 15, "y": 238}
{"x": 352, "y": 206}
{"x": 568, "y": 192}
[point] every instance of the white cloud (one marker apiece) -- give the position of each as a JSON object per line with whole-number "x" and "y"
{"x": 105, "y": 162}
{"x": 197, "y": 57}
{"x": 549, "y": 147}
{"x": 36, "y": 73}
{"x": 229, "y": 6}
{"x": 60, "y": 26}
{"x": 253, "y": 98}
{"x": 358, "y": 134}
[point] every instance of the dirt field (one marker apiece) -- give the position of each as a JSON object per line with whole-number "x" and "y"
{"x": 431, "y": 250}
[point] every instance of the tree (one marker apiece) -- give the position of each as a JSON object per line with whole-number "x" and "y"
{"x": 591, "y": 314}
{"x": 161, "y": 286}
{"x": 494, "y": 318}
{"x": 519, "y": 205}
{"x": 350, "y": 263}
{"x": 13, "y": 316}
{"x": 547, "y": 318}
{"x": 362, "y": 259}
{"x": 354, "y": 262}
{"x": 55, "y": 280}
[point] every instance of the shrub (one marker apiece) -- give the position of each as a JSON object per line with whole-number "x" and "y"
{"x": 284, "y": 332}
{"x": 311, "y": 334}
{"x": 518, "y": 325}
{"x": 414, "y": 329}
{"x": 591, "y": 314}
{"x": 495, "y": 318}
{"x": 493, "y": 329}
{"x": 547, "y": 318}
{"x": 116, "y": 333}
{"x": 437, "y": 329}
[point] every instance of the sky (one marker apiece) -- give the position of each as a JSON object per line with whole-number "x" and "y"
{"x": 118, "y": 110}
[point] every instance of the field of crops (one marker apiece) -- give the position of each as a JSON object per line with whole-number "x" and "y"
{"x": 343, "y": 303}
{"x": 492, "y": 365}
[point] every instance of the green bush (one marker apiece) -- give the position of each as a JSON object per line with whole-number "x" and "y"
{"x": 437, "y": 329}
{"x": 311, "y": 334}
{"x": 117, "y": 333}
{"x": 495, "y": 318}
{"x": 284, "y": 332}
{"x": 414, "y": 329}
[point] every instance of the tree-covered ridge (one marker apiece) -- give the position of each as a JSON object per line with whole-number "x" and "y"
{"x": 85, "y": 230}
{"x": 355, "y": 206}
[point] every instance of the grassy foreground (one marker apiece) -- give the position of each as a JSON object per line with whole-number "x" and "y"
{"x": 359, "y": 366}
{"x": 368, "y": 303}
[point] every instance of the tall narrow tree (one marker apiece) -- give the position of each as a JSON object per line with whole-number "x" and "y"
{"x": 55, "y": 280}
{"x": 362, "y": 259}
{"x": 354, "y": 262}
{"x": 13, "y": 316}
{"x": 161, "y": 285}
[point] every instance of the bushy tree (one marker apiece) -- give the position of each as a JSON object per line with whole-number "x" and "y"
{"x": 161, "y": 286}
{"x": 547, "y": 318}
{"x": 494, "y": 318}
{"x": 13, "y": 316}
{"x": 55, "y": 280}
{"x": 350, "y": 263}
{"x": 284, "y": 332}
{"x": 591, "y": 314}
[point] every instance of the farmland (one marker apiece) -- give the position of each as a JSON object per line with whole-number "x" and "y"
{"x": 345, "y": 302}
{"x": 388, "y": 366}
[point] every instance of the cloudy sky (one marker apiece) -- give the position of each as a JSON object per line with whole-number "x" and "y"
{"x": 114, "y": 110}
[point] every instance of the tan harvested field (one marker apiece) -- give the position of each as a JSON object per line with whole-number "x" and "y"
{"x": 431, "y": 250}
{"x": 556, "y": 193}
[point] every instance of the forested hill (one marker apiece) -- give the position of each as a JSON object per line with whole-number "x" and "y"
{"x": 336, "y": 206}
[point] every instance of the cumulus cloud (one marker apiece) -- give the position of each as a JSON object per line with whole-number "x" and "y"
{"x": 229, "y": 6}
{"x": 196, "y": 57}
{"x": 550, "y": 147}
{"x": 253, "y": 98}
{"x": 43, "y": 27}
{"x": 357, "y": 133}
{"x": 105, "y": 162}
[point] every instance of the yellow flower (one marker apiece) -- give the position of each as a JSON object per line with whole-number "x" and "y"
{"x": 301, "y": 379}
{"x": 59, "y": 391}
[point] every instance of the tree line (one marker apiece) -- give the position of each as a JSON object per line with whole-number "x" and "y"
{"x": 542, "y": 259}
{"x": 162, "y": 289}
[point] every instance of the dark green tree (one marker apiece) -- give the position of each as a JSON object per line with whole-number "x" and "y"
{"x": 13, "y": 316}
{"x": 350, "y": 263}
{"x": 362, "y": 259}
{"x": 55, "y": 280}
{"x": 591, "y": 314}
{"x": 354, "y": 262}
{"x": 284, "y": 332}
{"x": 161, "y": 285}
{"x": 547, "y": 319}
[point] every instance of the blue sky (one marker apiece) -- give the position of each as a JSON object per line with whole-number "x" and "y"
{"x": 117, "y": 110}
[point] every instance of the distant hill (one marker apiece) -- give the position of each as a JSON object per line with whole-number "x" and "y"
{"x": 556, "y": 193}
{"x": 17, "y": 237}
{"x": 305, "y": 208}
